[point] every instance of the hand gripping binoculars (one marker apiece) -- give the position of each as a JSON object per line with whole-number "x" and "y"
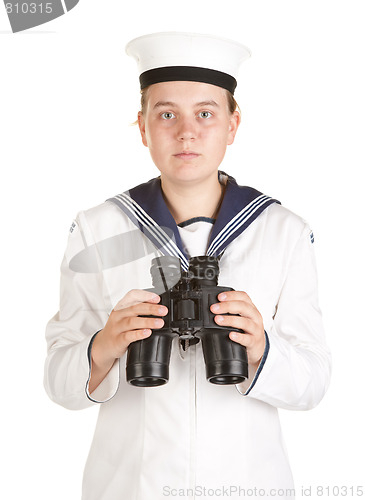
{"x": 188, "y": 296}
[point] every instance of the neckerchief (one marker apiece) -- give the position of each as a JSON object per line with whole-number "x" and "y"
{"x": 146, "y": 208}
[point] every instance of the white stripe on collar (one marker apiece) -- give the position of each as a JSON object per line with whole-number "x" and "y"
{"x": 235, "y": 224}
{"x": 149, "y": 227}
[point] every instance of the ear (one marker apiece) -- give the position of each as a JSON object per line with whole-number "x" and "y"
{"x": 234, "y": 122}
{"x": 142, "y": 128}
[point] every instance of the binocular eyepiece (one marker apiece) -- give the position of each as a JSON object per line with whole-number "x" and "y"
{"x": 188, "y": 296}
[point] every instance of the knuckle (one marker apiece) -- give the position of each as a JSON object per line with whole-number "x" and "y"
{"x": 128, "y": 337}
{"x": 133, "y": 336}
{"x": 111, "y": 327}
{"x": 132, "y": 297}
{"x": 127, "y": 323}
{"x": 236, "y": 337}
{"x": 244, "y": 339}
{"x": 117, "y": 307}
{"x": 245, "y": 297}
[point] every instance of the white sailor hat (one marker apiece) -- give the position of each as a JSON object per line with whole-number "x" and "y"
{"x": 173, "y": 56}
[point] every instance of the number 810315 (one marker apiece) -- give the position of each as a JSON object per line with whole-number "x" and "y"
{"x": 29, "y": 8}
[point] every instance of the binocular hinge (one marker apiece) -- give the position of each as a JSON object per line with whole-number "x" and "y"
{"x": 183, "y": 347}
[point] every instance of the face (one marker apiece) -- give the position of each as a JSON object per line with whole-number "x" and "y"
{"x": 187, "y": 127}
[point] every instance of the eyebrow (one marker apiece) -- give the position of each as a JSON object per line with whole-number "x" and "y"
{"x": 208, "y": 103}
{"x": 161, "y": 104}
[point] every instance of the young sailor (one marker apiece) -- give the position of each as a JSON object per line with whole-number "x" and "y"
{"x": 188, "y": 436}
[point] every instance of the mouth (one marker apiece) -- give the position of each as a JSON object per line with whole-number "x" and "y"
{"x": 187, "y": 155}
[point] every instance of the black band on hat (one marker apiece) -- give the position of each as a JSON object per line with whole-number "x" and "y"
{"x": 188, "y": 74}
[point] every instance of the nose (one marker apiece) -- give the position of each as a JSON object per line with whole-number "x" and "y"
{"x": 187, "y": 130}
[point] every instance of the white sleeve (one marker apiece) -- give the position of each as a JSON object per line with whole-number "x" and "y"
{"x": 69, "y": 333}
{"x": 295, "y": 370}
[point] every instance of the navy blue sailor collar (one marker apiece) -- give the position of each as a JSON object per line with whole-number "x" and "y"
{"x": 146, "y": 208}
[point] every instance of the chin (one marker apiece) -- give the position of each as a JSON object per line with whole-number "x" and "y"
{"x": 188, "y": 173}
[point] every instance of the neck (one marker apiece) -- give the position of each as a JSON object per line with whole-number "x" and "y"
{"x": 197, "y": 200}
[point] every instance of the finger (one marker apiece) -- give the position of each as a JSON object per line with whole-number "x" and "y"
{"x": 245, "y": 324}
{"x": 141, "y": 309}
{"x": 255, "y": 347}
{"x": 134, "y": 297}
{"x": 242, "y": 338}
{"x": 234, "y": 295}
{"x": 236, "y": 307}
{"x": 139, "y": 323}
{"x": 135, "y": 335}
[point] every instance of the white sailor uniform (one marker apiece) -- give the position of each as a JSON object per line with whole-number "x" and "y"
{"x": 187, "y": 435}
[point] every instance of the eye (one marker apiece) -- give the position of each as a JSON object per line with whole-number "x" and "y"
{"x": 205, "y": 114}
{"x": 167, "y": 115}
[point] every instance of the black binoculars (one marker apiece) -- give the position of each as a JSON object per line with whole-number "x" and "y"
{"x": 188, "y": 296}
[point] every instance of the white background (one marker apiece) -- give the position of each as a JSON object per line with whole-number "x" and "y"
{"x": 68, "y": 95}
